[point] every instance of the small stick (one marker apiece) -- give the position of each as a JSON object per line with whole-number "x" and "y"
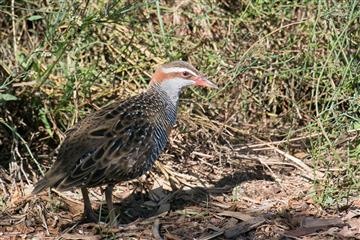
{"x": 278, "y": 142}
{"x": 66, "y": 197}
{"x": 43, "y": 220}
{"x": 155, "y": 230}
{"x": 305, "y": 168}
{"x": 13, "y": 27}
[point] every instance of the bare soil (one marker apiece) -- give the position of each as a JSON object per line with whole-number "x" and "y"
{"x": 257, "y": 197}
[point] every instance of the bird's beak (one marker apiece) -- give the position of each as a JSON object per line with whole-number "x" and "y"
{"x": 204, "y": 82}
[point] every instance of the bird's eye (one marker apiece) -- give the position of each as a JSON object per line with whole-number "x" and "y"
{"x": 185, "y": 74}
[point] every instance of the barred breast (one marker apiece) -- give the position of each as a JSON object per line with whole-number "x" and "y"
{"x": 117, "y": 143}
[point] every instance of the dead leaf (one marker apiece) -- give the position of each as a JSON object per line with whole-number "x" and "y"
{"x": 312, "y": 222}
{"x": 244, "y": 227}
{"x": 211, "y": 235}
{"x": 301, "y": 231}
{"x": 352, "y": 214}
{"x": 69, "y": 236}
{"x": 170, "y": 236}
{"x": 231, "y": 222}
{"x": 356, "y": 203}
{"x": 237, "y": 215}
{"x": 348, "y": 232}
{"x": 309, "y": 225}
{"x": 354, "y": 223}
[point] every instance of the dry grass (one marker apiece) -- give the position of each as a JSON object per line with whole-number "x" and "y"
{"x": 287, "y": 113}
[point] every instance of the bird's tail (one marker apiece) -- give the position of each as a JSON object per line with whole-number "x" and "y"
{"x": 41, "y": 185}
{"x": 46, "y": 182}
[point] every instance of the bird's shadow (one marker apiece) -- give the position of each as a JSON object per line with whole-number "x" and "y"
{"x": 136, "y": 205}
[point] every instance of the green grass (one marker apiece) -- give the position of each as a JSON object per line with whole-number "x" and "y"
{"x": 285, "y": 69}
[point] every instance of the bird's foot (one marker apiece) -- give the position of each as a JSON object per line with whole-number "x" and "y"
{"x": 90, "y": 216}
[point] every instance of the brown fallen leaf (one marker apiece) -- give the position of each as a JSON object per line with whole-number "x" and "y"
{"x": 231, "y": 222}
{"x": 356, "y": 203}
{"x": 211, "y": 235}
{"x": 352, "y": 214}
{"x": 170, "y": 236}
{"x": 349, "y": 232}
{"x": 309, "y": 225}
{"x": 355, "y": 224}
{"x": 311, "y": 222}
{"x": 69, "y": 236}
{"x": 237, "y": 215}
{"x": 244, "y": 227}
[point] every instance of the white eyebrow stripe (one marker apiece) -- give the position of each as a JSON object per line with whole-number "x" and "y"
{"x": 177, "y": 69}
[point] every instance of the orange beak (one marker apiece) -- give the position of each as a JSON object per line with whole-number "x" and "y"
{"x": 204, "y": 82}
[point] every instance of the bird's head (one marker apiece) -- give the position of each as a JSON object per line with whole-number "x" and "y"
{"x": 178, "y": 74}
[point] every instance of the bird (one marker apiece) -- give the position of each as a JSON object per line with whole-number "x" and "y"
{"x": 121, "y": 141}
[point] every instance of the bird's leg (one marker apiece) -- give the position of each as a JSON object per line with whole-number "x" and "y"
{"x": 89, "y": 214}
{"x": 108, "y": 197}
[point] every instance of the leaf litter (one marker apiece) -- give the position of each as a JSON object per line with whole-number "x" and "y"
{"x": 226, "y": 204}
{"x": 227, "y": 187}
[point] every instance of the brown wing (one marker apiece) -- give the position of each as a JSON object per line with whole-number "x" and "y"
{"x": 116, "y": 143}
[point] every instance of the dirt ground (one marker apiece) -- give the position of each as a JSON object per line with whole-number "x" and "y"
{"x": 272, "y": 154}
{"x": 257, "y": 197}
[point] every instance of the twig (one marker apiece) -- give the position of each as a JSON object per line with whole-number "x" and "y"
{"x": 25, "y": 144}
{"x": 180, "y": 178}
{"x": 305, "y": 168}
{"x": 5, "y": 192}
{"x": 212, "y": 235}
{"x": 297, "y": 161}
{"x": 13, "y": 27}
{"x": 155, "y": 230}
{"x": 64, "y": 233}
{"x": 277, "y": 142}
{"x": 24, "y": 84}
{"x": 16, "y": 150}
{"x": 244, "y": 227}
{"x": 66, "y": 197}
{"x": 43, "y": 220}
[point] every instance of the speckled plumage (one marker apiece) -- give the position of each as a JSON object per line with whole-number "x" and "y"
{"x": 117, "y": 143}
{"x": 121, "y": 141}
